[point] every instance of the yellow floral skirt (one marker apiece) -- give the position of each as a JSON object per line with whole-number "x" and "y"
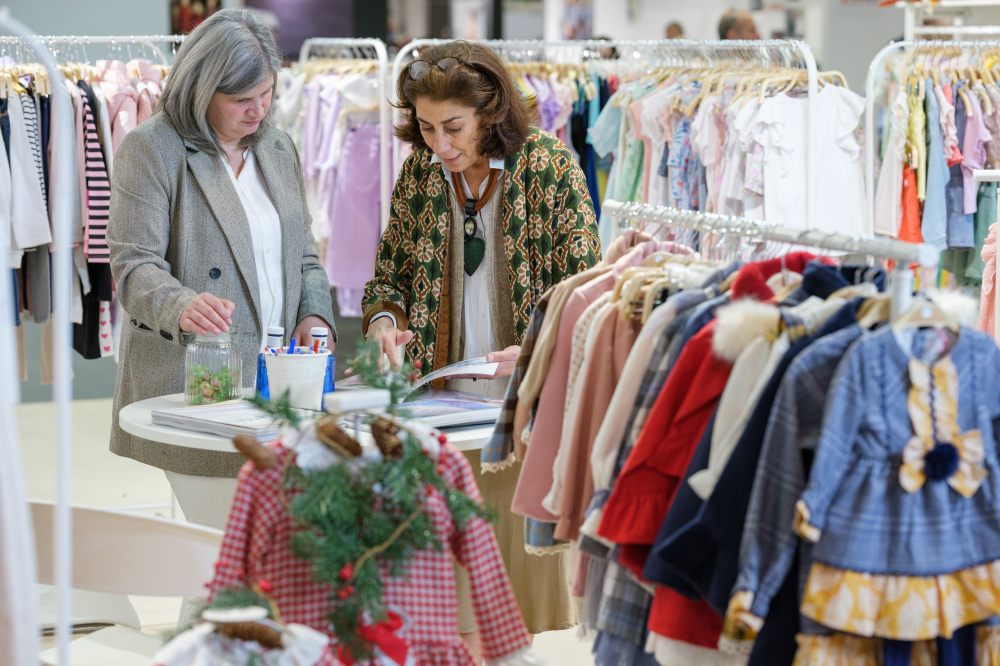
{"x": 844, "y": 650}
{"x": 910, "y": 608}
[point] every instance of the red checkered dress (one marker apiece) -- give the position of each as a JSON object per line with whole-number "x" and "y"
{"x": 256, "y": 546}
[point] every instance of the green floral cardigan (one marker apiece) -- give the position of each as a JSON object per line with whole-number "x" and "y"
{"x": 549, "y": 232}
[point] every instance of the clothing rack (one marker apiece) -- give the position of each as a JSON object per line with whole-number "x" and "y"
{"x": 59, "y": 43}
{"x": 628, "y": 215}
{"x": 876, "y": 67}
{"x": 63, "y": 165}
{"x": 363, "y": 49}
{"x": 765, "y": 53}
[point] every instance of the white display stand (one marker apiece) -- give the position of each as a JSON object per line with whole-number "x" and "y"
{"x": 137, "y": 419}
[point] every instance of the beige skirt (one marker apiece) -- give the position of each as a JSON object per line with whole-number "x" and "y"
{"x": 541, "y": 582}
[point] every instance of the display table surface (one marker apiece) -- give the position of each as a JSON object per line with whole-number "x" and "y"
{"x": 137, "y": 419}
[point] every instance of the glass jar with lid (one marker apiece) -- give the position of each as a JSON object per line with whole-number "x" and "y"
{"x": 212, "y": 370}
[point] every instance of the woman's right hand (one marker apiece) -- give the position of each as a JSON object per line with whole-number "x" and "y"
{"x": 207, "y": 314}
{"x": 389, "y": 338}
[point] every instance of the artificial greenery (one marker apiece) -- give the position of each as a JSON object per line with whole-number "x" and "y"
{"x": 245, "y": 597}
{"x": 206, "y": 386}
{"x": 356, "y": 518}
{"x": 367, "y": 366}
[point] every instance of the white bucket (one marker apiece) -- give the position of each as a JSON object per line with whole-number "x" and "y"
{"x": 300, "y": 374}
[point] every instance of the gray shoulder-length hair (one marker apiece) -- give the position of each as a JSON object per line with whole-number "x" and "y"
{"x": 231, "y": 52}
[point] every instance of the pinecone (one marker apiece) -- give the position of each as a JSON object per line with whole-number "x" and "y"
{"x": 335, "y": 437}
{"x": 386, "y": 434}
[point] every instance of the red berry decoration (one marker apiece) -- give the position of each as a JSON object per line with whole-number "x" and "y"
{"x": 442, "y": 438}
{"x": 418, "y": 364}
{"x": 345, "y": 592}
{"x": 346, "y": 572}
{"x": 265, "y": 585}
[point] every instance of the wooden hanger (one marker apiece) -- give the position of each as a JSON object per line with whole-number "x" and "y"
{"x": 653, "y": 291}
{"x": 834, "y": 76}
{"x": 984, "y": 98}
{"x": 924, "y": 313}
{"x": 969, "y": 109}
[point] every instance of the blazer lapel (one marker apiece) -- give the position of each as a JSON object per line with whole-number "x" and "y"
{"x": 277, "y": 165}
{"x": 213, "y": 179}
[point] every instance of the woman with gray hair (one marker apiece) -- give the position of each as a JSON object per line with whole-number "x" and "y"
{"x": 209, "y": 233}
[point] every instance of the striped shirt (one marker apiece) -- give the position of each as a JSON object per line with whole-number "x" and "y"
{"x": 95, "y": 237}
{"x": 32, "y": 129}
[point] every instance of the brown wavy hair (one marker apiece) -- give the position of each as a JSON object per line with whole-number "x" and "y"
{"x": 480, "y": 81}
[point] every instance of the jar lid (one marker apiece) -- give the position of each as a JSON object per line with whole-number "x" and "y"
{"x": 213, "y": 337}
{"x": 275, "y": 330}
{"x": 318, "y": 331}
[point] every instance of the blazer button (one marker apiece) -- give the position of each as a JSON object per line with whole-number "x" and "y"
{"x": 214, "y": 273}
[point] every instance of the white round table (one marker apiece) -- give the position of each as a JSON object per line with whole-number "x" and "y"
{"x": 206, "y": 500}
{"x": 136, "y": 419}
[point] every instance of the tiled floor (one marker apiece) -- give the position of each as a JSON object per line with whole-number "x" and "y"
{"x": 101, "y": 479}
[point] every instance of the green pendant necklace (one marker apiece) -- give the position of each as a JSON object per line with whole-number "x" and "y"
{"x": 474, "y": 246}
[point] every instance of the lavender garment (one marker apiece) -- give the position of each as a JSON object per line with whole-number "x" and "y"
{"x": 960, "y": 228}
{"x": 973, "y": 150}
{"x": 354, "y": 219}
{"x": 548, "y": 105}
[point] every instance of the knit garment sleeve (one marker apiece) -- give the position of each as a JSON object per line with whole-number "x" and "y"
{"x": 844, "y": 414}
{"x": 475, "y": 547}
{"x": 250, "y": 527}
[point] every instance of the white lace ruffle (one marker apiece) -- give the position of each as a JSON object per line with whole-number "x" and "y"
{"x": 524, "y": 657}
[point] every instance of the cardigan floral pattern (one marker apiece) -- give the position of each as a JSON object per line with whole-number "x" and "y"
{"x": 549, "y": 229}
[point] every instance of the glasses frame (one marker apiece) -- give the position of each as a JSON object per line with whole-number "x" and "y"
{"x": 443, "y": 65}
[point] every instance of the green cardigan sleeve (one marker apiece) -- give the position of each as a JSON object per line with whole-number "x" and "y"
{"x": 576, "y": 244}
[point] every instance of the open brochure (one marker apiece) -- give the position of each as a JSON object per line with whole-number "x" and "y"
{"x": 451, "y": 409}
{"x": 224, "y": 419}
{"x": 471, "y": 368}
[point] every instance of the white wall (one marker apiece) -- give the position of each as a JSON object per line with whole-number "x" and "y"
{"x": 851, "y": 36}
{"x": 646, "y": 19}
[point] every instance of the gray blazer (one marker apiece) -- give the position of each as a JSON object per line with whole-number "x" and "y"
{"x": 177, "y": 229}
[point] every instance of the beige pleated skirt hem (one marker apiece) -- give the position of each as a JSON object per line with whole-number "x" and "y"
{"x": 541, "y": 583}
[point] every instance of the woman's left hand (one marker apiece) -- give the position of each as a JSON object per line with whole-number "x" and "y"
{"x": 506, "y": 358}
{"x": 301, "y": 332}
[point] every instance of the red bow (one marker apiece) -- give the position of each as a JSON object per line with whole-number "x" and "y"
{"x": 383, "y": 636}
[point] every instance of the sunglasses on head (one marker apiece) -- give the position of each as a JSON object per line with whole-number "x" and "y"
{"x": 418, "y": 68}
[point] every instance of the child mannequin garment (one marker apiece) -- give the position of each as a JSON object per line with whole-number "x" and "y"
{"x": 939, "y": 389}
{"x": 256, "y": 546}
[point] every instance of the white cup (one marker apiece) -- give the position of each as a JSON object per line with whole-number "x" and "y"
{"x": 300, "y": 374}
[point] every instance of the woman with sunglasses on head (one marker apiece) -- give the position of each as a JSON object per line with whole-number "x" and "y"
{"x": 487, "y": 214}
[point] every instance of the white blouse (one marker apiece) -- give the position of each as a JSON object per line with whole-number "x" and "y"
{"x": 265, "y": 232}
